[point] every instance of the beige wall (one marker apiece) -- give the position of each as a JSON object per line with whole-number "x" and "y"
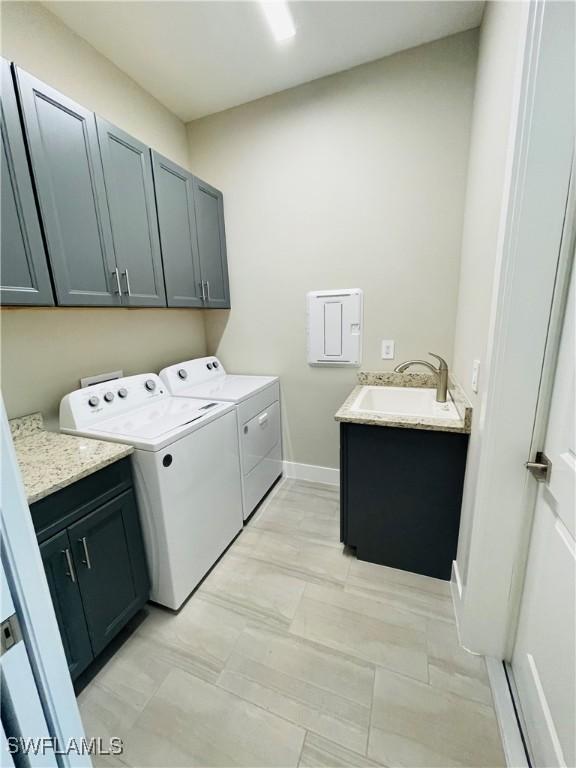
{"x": 501, "y": 36}
{"x": 46, "y": 351}
{"x": 41, "y": 44}
{"x": 355, "y": 180}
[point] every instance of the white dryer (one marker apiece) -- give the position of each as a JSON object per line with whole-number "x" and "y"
{"x": 257, "y": 401}
{"x": 186, "y": 470}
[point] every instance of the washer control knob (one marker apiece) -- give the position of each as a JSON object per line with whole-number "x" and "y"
{"x": 122, "y": 393}
{"x": 150, "y": 385}
{"x": 109, "y": 396}
{"x": 215, "y": 363}
{"x": 93, "y": 401}
{"x": 209, "y": 366}
{"x": 183, "y": 373}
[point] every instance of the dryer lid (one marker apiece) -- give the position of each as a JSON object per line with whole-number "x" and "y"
{"x": 231, "y": 387}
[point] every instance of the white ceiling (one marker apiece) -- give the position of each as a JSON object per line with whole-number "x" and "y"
{"x": 202, "y": 57}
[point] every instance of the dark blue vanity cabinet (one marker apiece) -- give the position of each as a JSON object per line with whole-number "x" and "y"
{"x": 61, "y": 575}
{"x": 93, "y": 553}
{"x": 401, "y": 494}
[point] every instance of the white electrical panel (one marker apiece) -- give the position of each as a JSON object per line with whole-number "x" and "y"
{"x": 334, "y": 327}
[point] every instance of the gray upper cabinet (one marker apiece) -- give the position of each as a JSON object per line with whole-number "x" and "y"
{"x": 192, "y": 237}
{"x": 177, "y": 222}
{"x": 24, "y": 275}
{"x": 130, "y": 193}
{"x": 118, "y": 224}
{"x": 209, "y": 206}
{"x": 67, "y": 169}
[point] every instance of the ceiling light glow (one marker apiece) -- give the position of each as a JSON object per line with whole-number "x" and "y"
{"x": 279, "y": 19}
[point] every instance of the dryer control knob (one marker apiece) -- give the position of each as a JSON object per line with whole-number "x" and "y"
{"x": 183, "y": 373}
{"x": 150, "y": 385}
{"x": 209, "y": 366}
{"x": 93, "y": 401}
{"x": 109, "y": 396}
{"x": 122, "y": 393}
{"x": 215, "y": 363}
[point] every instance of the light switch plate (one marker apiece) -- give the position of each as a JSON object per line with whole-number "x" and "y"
{"x": 388, "y": 349}
{"x": 475, "y": 374}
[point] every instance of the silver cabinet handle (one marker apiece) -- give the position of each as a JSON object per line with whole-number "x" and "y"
{"x": 207, "y": 290}
{"x": 86, "y": 560}
{"x": 201, "y": 284}
{"x": 116, "y": 274}
{"x": 70, "y": 571}
{"x": 126, "y": 275}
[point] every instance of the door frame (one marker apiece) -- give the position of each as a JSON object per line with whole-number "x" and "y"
{"x": 523, "y": 322}
{"x": 29, "y": 589}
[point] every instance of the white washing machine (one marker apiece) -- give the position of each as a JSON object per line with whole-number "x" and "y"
{"x": 257, "y": 402}
{"x": 186, "y": 470}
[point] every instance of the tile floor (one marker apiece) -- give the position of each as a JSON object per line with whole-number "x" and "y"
{"x": 294, "y": 653}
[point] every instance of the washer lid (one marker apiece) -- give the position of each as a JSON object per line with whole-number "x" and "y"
{"x": 158, "y": 424}
{"x": 231, "y": 387}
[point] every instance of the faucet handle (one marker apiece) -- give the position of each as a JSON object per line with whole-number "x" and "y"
{"x": 443, "y": 364}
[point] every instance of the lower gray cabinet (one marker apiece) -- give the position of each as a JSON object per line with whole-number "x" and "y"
{"x": 24, "y": 272}
{"x": 63, "y": 583}
{"x": 209, "y": 207}
{"x": 130, "y": 193}
{"x": 112, "y": 575}
{"x": 93, "y": 553}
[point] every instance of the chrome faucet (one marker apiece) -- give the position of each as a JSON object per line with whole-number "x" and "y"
{"x": 441, "y": 372}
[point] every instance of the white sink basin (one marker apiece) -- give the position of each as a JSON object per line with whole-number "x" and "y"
{"x": 404, "y": 401}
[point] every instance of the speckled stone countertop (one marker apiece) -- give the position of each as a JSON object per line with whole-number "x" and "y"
{"x": 392, "y": 379}
{"x": 50, "y": 461}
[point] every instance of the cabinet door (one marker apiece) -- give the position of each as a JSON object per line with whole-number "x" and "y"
{"x": 178, "y": 238}
{"x": 24, "y": 268}
{"x": 111, "y": 566}
{"x": 68, "y": 173}
{"x": 62, "y": 581}
{"x": 209, "y": 206}
{"x": 130, "y": 191}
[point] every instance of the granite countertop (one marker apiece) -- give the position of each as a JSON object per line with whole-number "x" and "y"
{"x": 50, "y": 461}
{"x": 389, "y": 379}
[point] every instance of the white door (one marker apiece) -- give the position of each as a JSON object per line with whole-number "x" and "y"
{"x": 544, "y": 657}
{"x": 22, "y": 714}
{"x": 36, "y": 695}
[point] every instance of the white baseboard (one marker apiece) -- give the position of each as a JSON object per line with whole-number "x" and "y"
{"x": 312, "y": 473}
{"x": 512, "y": 743}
